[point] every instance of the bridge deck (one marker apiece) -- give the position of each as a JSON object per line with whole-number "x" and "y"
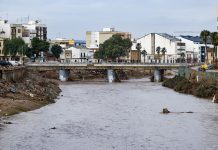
{"x": 103, "y": 66}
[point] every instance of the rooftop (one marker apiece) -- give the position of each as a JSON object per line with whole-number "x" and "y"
{"x": 195, "y": 39}
{"x": 170, "y": 37}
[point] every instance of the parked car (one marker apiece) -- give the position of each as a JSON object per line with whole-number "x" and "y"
{"x": 15, "y": 63}
{"x": 205, "y": 67}
{"x": 4, "y": 63}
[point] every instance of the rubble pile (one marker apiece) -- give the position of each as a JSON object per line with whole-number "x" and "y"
{"x": 33, "y": 89}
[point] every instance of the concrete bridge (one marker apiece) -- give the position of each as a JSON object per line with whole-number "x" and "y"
{"x": 64, "y": 68}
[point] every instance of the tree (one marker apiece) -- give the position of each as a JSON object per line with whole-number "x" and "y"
{"x": 113, "y": 48}
{"x": 214, "y": 40}
{"x": 39, "y": 46}
{"x": 158, "y": 49}
{"x": 182, "y": 57}
{"x": 14, "y": 46}
{"x": 138, "y": 47}
{"x": 144, "y": 53}
{"x": 29, "y": 52}
{"x": 56, "y": 50}
{"x": 163, "y": 51}
{"x": 205, "y": 36}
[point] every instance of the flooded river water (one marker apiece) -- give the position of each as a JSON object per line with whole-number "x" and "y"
{"x": 118, "y": 116}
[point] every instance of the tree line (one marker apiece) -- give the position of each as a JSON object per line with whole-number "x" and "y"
{"x": 17, "y": 46}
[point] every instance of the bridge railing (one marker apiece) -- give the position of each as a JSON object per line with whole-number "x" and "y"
{"x": 112, "y": 63}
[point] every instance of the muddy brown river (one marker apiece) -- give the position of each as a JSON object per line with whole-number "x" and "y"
{"x": 118, "y": 116}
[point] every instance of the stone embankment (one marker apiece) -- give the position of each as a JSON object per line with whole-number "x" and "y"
{"x": 31, "y": 92}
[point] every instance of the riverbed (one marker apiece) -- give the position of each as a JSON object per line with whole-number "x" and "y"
{"x": 117, "y": 116}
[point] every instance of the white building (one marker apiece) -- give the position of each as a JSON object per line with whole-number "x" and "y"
{"x": 195, "y": 48}
{"x": 150, "y": 42}
{"x": 77, "y": 55}
{"x": 5, "y": 29}
{"x": 36, "y": 29}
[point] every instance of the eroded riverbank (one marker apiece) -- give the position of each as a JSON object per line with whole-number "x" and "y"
{"x": 30, "y": 93}
{"x": 202, "y": 89}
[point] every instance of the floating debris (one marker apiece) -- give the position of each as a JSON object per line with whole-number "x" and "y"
{"x": 166, "y": 111}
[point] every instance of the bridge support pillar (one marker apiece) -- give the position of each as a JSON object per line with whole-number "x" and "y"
{"x": 158, "y": 75}
{"x": 64, "y": 74}
{"x": 111, "y": 76}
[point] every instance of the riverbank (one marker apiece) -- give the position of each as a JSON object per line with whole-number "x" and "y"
{"x": 202, "y": 89}
{"x": 32, "y": 92}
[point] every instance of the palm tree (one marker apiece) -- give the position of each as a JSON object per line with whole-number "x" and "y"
{"x": 144, "y": 53}
{"x": 138, "y": 47}
{"x": 205, "y": 36}
{"x": 158, "y": 49}
{"x": 182, "y": 57}
{"x": 163, "y": 51}
{"x": 214, "y": 40}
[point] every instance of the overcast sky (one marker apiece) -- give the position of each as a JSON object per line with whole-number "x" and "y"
{"x": 72, "y": 18}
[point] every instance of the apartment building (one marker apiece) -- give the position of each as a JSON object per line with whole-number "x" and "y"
{"x": 36, "y": 29}
{"x": 94, "y": 39}
{"x": 195, "y": 48}
{"x": 25, "y": 31}
{"x": 150, "y": 42}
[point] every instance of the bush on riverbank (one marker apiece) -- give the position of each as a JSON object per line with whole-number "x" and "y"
{"x": 204, "y": 89}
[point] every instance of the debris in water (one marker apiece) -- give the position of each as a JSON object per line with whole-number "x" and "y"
{"x": 166, "y": 111}
{"x": 7, "y": 122}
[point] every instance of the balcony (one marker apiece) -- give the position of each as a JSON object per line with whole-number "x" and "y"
{"x": 181, "y": 48}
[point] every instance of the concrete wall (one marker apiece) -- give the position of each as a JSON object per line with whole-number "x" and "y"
{"x": 12, "y": 74}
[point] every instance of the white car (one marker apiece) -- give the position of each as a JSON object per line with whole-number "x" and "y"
{"x": 15, "y": 63}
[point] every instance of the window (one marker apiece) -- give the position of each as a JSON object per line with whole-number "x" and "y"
{"x": 19, "y": 30}
{"x": 180, "y": 44}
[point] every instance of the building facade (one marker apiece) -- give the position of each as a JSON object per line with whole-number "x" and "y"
{"x": 64, "y": 43}
{"x": 150, "y": 42}
{"x": 5, "y": 29}
{"x": 94, "y": 39}
{"x": 195, "y": 48}
{"x": 36, "y": 29}
{"x": 25, "y": 31}
{"x": 77, "y": 55}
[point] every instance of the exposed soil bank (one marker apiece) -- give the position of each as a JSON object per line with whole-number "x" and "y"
{"x": 204, "y": 89}
{"x": 30, "y": 93}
